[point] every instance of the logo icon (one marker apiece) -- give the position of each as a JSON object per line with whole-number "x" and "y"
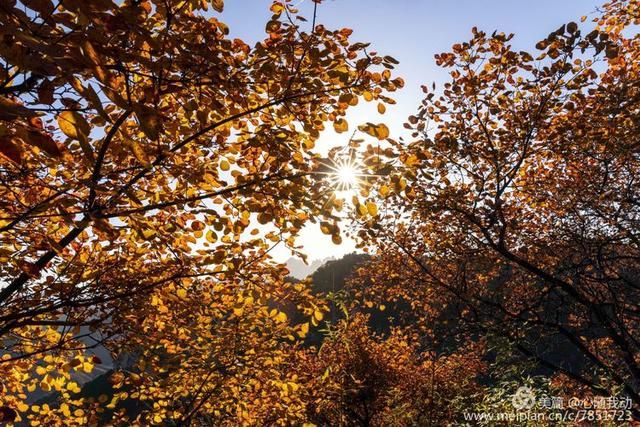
{"x": 524, "y": 398}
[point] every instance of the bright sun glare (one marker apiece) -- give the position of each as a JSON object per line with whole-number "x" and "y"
{"x": 345, "y": 175}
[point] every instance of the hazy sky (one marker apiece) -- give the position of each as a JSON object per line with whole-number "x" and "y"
{"x": 412, "y": 32}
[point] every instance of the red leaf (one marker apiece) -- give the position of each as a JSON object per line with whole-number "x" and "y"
{"x": 28, "y": 267}
{"x": 10, "y": 150}
{"x": 45, "y": 93}
{"x": 7, "y": 415}
{"x": 44, "y": 142}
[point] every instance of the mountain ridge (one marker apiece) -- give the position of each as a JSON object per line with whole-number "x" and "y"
{"x": 299, "y": 270}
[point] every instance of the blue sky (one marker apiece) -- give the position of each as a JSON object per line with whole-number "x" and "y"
{"x": 412, "y": 32}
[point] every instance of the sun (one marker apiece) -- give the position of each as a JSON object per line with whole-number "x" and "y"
{"x": 345, "y": 175}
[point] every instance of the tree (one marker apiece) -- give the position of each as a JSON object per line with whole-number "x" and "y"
{"x": 364, "y": 379}
{"x": 517, "y": 203}
{"x": 140, "y": 147}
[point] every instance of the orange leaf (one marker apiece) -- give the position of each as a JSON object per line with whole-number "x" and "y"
{"x": 11, "y": 110}
{"x": 218, "y": 5}
{"x": 277, "y": 8}
{"x": 341, "y": 125}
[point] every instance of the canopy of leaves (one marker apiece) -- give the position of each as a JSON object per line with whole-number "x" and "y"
{"x": 519, "y": 217}
{"x": 148, "y": 163}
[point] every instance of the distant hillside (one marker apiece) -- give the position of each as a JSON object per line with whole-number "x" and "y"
{"x": 331, "y": 276}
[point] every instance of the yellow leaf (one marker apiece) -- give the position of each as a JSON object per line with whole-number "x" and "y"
{"x": 87, "y": 367}
{"x": 348, "y": 98}
{"x": 317, "y": 314}
{"x": 76, "y": 127}
{"x": 326, "y": 228}
{"x": 147, "y": 233}
{"x": 384, "y": 191}
{"x": 381, "y": 108}
{"x": 211, "y": 236}
{"x": 411, "y": 160}
{"x": 224, "y": 165}
{"x": 380, "y": 131}
{"x": 73, "y": 387}
{"x": 372, "y": 208}
{"x": 73, "y": 125}
{"x": 326, "y": 373}
{"x": 182, "y": 294}
{"x": 304, "y": 330}
{"x": 281, "y": 317}
{"x": 238, "y": 311}
{"x": 65, "y": 410}
{"x": 139, "y": 153}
